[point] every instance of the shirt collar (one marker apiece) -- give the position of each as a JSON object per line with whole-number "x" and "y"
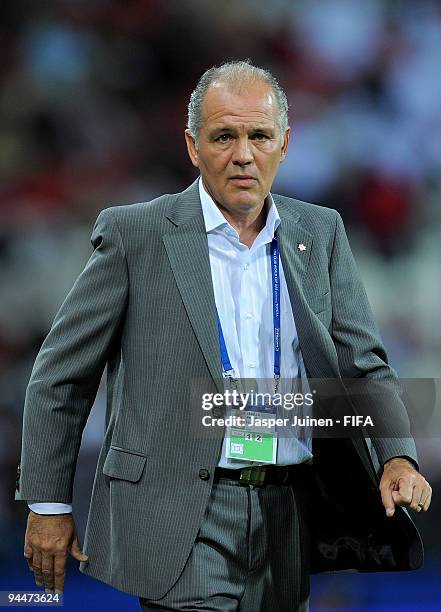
{"x": 214, "y": 219}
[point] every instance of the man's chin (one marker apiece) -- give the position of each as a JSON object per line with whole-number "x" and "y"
{"x": 245, "y": 198}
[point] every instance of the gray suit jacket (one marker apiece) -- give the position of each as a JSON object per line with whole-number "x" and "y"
{"x": 144, "y": 305}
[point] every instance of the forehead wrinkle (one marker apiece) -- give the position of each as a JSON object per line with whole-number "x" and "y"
{"x": 255, "y": 120}
{"x": 224, "y": 104}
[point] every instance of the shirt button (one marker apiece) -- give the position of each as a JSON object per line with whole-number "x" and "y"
{"x": 204, "y": 474}
{"x": 246, "y": 266}
{"x": 252, "y": 364}
{"x": 248, "y": 315}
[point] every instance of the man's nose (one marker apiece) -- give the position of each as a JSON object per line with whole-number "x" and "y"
{"x": 242, "y": 154}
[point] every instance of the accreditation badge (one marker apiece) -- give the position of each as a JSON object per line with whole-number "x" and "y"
{"x": 253, "y": 436}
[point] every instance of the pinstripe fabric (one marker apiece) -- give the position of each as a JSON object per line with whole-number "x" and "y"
{"x": 143, "y": 308}
{"x": 247, "y": 555}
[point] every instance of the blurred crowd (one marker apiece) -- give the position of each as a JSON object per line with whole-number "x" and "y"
{"x": 93, "y": 97}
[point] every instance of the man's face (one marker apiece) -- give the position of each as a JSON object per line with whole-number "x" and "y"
{"x": 240, "y": 145}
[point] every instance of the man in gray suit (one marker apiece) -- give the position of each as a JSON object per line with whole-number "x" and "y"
{"x": 222, "y": 282}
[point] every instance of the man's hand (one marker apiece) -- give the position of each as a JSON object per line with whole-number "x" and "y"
{"x": 402, "y": 484}
{"x": 48, "y": 539}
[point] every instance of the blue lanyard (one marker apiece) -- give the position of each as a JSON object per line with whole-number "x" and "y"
{"x": 275, "y": 277}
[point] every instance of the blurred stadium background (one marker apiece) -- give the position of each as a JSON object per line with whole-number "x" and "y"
{"x": 93, "y": 97}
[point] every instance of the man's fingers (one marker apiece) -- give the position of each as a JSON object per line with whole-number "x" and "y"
{"x": 48, "y": 540}
{"x": 427, "y": 501}
{"x": 60, "y": 571}
{"x": 47, "y": 569}
{"x": 28, "y": 553}
{"x": 387, "y": 499}
{"x": 36, "y": 566}
{"x": 426, "y": 498}
{"x": 402, "y": 485}
{"x": 413, "y": 493}
{"x": 417, "y": 496}
{"x": 76, "y": 551}
{"x": 403, "y": 496}
{"x": 388, "y": 502}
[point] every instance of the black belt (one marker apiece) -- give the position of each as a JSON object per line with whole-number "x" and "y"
{"x": 260, "y": 475}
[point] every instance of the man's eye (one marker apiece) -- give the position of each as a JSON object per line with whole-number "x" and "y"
{"x": 260, "y": 136}
{"x": 223, "y": 138}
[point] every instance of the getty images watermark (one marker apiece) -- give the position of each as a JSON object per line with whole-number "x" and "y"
{"x": 262, "y": 410}
{"x": 239, "y": 400}
{"x": 334, "y": 408}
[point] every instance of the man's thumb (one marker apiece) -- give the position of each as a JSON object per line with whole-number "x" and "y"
{"x": 388, "y": 502}
{"x": 76, "y": 551}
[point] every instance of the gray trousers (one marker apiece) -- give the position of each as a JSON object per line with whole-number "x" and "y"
{"x": 251, "y": 553}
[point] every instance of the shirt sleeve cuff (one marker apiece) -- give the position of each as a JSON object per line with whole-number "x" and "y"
{"x": 50, "y": 507}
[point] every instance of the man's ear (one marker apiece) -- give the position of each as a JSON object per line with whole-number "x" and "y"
{"x": 285, "y": 144}
{"x": 191, "y": 148}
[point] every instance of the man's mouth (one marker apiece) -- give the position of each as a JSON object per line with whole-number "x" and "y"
{"x": 243, "y": 179}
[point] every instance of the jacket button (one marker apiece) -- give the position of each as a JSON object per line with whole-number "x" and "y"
{"x": 204, "y": 474}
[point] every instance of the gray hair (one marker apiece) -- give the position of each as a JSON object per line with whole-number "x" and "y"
{"x": 237, "y": 74}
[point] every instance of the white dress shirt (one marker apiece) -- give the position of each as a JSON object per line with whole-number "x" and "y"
{"x": 243, "y": 294}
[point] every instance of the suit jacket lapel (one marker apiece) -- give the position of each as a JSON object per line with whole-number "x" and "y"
{"x": 292, "y": 237}
{"x": 187, "y": 249}
{"x": 295, "y": 242}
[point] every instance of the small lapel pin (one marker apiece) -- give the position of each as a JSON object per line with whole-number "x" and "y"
{"x": 301, "y": 246}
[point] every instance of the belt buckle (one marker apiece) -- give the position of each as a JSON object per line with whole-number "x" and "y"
{"x": 254, "y": 475}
